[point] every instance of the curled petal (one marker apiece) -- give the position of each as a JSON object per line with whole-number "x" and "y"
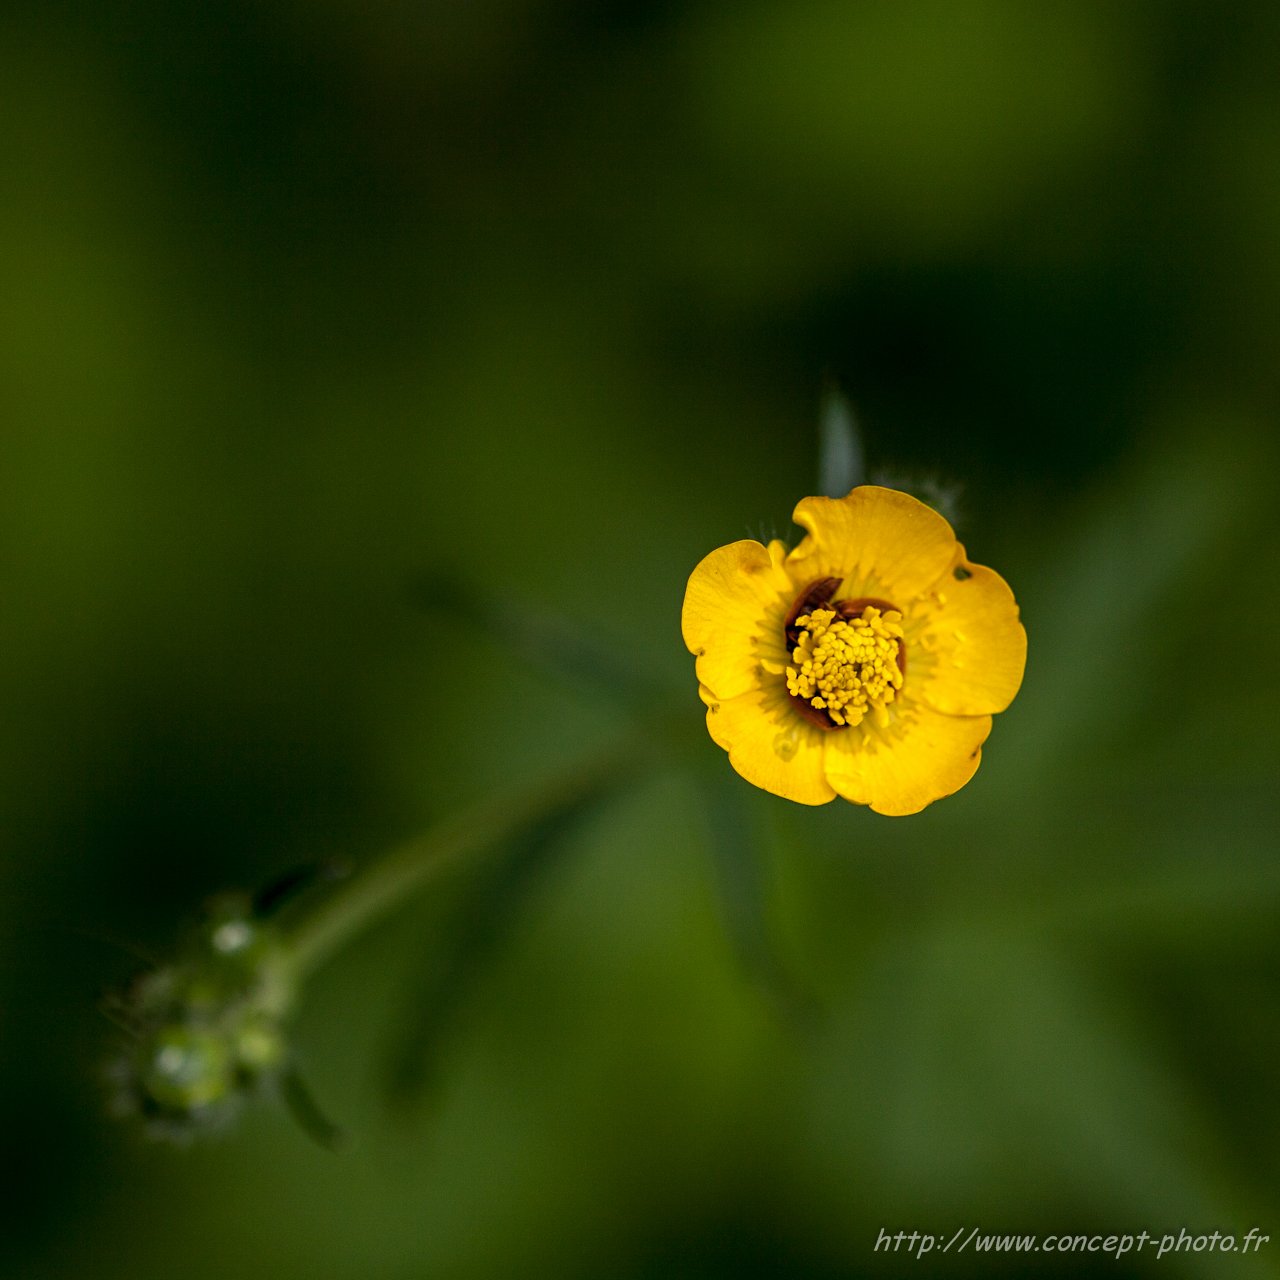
{"x": 880, "y": 541}
{"x": 973, "y": 640}
{"x": 734, "y": 610}
{"x": 923, "y": 757}
{"x": 769, "y": 744}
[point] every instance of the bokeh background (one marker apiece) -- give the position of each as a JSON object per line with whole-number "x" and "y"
{"x": 309, "y": 307}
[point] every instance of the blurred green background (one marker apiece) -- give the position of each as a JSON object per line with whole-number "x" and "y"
{"x": 307, "y": 305}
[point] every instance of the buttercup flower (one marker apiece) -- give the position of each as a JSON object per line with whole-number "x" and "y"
{"x": 865, "y": 663}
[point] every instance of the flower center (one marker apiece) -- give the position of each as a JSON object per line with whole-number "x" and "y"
{"x": 846, "y": 664}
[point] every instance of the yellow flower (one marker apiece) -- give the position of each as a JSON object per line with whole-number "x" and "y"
{"x": 866, "y": 663}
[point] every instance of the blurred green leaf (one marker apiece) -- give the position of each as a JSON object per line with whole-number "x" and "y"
{"x": 473, "y": 935}
{"x": 306, "y": 1111}
{"x": 734, "y": 829}
{"x": 841, "y": 463}
{"x": 583, "y": 655}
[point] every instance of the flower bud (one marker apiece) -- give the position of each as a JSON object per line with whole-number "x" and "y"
{"x": 208, "y": 1030}
{"x": 183, "y": 1069}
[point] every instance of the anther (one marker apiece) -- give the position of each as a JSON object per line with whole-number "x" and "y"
{"x": 848, "y": 658}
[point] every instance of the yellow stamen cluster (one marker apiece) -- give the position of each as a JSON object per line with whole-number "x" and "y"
{"x": 847, "y": 668}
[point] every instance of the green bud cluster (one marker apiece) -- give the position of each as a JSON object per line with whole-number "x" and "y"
{"x": 206, "y": 1031}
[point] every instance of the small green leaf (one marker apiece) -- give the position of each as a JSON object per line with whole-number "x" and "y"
{"x": 302, "y": 1106}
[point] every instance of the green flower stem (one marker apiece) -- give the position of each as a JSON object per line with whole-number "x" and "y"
{"x": 397, "y": 875}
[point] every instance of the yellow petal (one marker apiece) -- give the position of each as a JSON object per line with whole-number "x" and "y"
{"x": 921, "y": 758}
{"x": 735, "y": 609}
{"x": 975, "y": 648}
{"x": 769, "y": 744}
{"x": 881, "y": 542}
